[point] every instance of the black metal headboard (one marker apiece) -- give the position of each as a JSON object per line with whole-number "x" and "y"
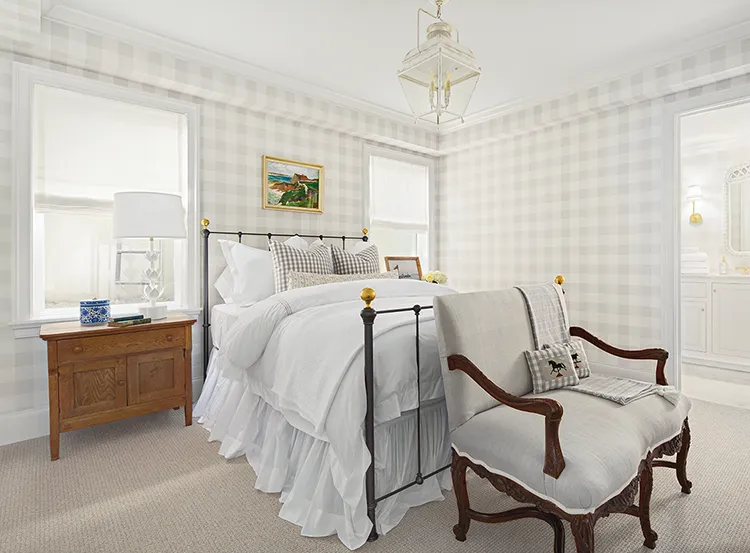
{"x": 239, "y": 234}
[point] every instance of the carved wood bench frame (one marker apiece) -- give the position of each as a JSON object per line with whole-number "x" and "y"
{"x": 582, "y": 526}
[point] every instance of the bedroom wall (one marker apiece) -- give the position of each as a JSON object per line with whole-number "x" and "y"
{"x": 241, "y": 119}
{"x": 574, "y": 186}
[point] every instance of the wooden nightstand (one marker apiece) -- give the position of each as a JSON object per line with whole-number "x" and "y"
{"x": 99, "y": 374}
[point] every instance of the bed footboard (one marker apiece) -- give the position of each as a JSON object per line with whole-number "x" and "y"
{"x": 368, "y": 319}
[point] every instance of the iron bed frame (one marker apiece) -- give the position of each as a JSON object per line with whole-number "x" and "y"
{"x": 368, "y": 315}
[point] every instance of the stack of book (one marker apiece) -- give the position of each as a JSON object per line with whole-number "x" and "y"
{"x": 129, "y": 320}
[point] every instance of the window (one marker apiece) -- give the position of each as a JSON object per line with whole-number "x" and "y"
{"x": 83, "y": 146}
{"x": 399, "y": 204}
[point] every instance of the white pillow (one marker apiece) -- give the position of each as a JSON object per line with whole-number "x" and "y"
{"x": 297, "y": 242}
{"x": 225, "y": 285}
{"x": 358, "y": 246}
{"x": 249, "y": 277}
{"x": 251, "y": 271}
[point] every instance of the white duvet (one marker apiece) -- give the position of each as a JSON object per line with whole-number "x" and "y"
{"x": 302, "y": 352}
{"x": 297, "y": 348}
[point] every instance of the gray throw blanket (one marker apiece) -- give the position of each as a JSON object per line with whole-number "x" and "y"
{"x": 549, "y": 325}
{"x": 549, "y": 322}
{"x": 623, "y": 390}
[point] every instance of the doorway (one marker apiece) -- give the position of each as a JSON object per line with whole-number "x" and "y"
{"x": 713, "y": 252}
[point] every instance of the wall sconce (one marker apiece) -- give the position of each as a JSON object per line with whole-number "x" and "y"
{"x": 695, "y": 193}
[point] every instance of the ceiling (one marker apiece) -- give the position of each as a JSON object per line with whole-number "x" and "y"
{"x": 530, "y": 49}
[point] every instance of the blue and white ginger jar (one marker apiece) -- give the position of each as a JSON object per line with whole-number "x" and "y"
{"x": 94, "y": 312}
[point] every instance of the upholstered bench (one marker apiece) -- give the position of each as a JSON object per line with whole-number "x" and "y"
{"x": 584, "y": 458}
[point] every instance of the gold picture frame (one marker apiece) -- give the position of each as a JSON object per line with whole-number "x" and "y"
{"x": 290, "y": 185}
{"x": 390, "y": 265}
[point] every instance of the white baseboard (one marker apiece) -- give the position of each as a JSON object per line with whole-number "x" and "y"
{"x": 20, "y": 426}
{"x": 726, "y": 373}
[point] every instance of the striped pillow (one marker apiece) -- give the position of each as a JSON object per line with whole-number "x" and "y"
{"x": 288, "y": 258}
{"x": 363, "y": 262}
{"x": 303, "y": 280}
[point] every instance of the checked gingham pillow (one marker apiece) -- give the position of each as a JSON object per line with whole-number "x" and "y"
{"x": 551, "y": 368}
{"x": 287, "y": 259}
{"x": 364, "y": 262}
{"x": 578, "y": 354}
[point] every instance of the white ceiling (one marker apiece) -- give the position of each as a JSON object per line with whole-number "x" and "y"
{"x": 528, "y": 49}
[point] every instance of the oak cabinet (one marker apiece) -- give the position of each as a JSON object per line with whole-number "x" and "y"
{"x": 101, "y": 374}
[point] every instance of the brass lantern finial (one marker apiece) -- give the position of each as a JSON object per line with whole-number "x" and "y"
{"x": 367, "y": 296}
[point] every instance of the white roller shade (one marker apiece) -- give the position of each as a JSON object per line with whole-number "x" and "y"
{"x": 20, "y": 20}
{"x": 91, "y": 147}
{"x": 399, "y": 193}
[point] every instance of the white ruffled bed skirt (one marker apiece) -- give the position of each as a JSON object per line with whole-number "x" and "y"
{"x": 298, "y": 466}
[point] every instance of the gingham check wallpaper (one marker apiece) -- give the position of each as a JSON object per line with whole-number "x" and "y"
{"x": 20, "y": 20}
{"x": 574, "y": 187}
{"x": 232, "y": 142}
{"x": 567, "y": 186}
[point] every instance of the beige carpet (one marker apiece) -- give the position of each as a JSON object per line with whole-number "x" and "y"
{"x": 151, "y": 485}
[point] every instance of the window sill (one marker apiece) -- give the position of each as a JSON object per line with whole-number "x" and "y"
{"x": 30, "y": 329}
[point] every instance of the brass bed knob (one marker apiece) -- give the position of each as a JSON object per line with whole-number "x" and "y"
{"x": 367, "y": 296}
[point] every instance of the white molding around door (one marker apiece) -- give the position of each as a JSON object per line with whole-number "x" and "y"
{"x": 671, "y": 193}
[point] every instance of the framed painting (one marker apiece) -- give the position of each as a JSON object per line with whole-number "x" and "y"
{"x": 408, "y": 267}
{"x": 292, "y": 185}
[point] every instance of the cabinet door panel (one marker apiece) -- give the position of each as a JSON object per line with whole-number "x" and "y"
{"x": 694, "y": 326}
{"x": 92, "y": 387}
{"x": 730, "y": 319}
{"x": 154, "y": 376}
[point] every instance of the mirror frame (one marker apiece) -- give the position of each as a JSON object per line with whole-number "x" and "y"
{"x": 735, "y": 174}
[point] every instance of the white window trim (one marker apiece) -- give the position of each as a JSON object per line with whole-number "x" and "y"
{"x": 372, "y": 150}
{"x": 25, "y": 78}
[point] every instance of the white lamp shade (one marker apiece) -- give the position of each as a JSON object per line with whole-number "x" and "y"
{"x": 148, "y": 215}
{"x": 694, "y": 192}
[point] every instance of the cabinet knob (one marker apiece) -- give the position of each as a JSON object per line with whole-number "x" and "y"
{"x": 169, "y": 337}
{"x": 77, "y": 349}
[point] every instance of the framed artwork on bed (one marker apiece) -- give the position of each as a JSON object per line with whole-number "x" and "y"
{"x": 408, "y": 267}
{"x": 292, "y": 185}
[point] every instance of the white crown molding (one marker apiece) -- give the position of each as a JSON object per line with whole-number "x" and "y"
{"x": 697, "y": 44}
{"x": 75, "y": 18}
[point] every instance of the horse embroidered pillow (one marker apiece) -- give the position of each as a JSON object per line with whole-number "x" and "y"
{"x": 580, "y": 361}
{"x": 551, "y": 368}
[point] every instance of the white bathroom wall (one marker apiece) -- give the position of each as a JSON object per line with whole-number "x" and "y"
{"x": 712, "y": 142}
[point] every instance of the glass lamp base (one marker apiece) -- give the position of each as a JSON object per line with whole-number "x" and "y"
{"x": 154, "y": 311}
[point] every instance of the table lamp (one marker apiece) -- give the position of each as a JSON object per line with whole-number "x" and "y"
{"x": 149, "y": 215}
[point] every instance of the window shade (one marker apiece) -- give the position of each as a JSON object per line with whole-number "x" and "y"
{"x": 399, "y": 193}
{"x": 91, "y": 147}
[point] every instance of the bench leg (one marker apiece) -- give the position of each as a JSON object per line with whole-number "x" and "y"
{"x": 644, "y": 504}
{"x": 583, "y": 531}
{"x": 458, "y": 472}
{"x": 682, "y": 455}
